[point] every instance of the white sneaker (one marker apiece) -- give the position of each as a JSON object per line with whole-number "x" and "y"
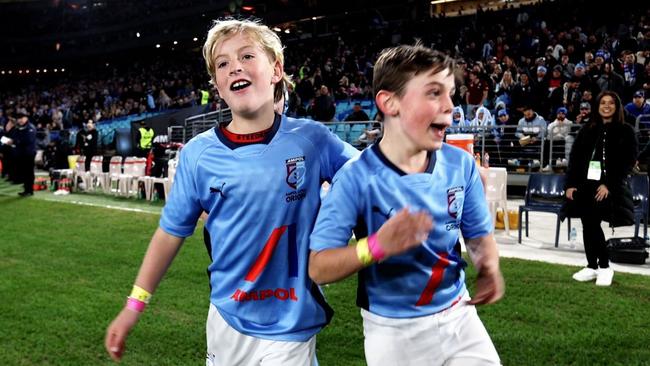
{"x": 605, "y": 276}
{"x": 547, "y": 168}
{"x": 585, "y": 275}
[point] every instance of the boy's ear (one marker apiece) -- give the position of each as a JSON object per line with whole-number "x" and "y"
{"x": 278, "y": 72}
{"x": 387, "y": 102}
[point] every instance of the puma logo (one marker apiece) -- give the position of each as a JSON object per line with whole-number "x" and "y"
{"x": 218, "y": 190}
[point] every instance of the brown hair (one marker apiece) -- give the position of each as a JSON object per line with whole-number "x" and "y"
{"x": 259, "y": 33}
{"x": 618, "y": 117}
{"x": 397, "y": 65}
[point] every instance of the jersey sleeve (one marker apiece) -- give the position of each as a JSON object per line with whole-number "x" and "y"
{"x": 338, "y": 214}
{"x": 183, "y": 207}
{"x": 476, "y": 219}
{"x": 334, "y": 153}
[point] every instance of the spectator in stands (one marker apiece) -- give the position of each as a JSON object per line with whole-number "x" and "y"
{"x": 504, "y": 137}
{"x": 378, "y": 187}
{"x": 531, "y": 131}
{"x": 24, "y": 142}
{"x": 584, "y": 117}
{"x": 559, "y": 131}
{"x": 632, "y": 73}
{"x": 609, "y": 80}
{"x": 504, "y": 88}
{"x": 602, "y": 156}
{"x": 293, "y": 104}
{"x": 541, "y": 91}
{"x": 458, "y": 122}
{"x": 357, "y": 114}
{"x": 323, "y": 108}
{"x": 477, "y": 93}
{"x": 483, "y": 118}
{"x": 42, "y": 136}
{"x": 522, "y": 93}
{"x": 531, "y": 127}
{"x": 638, "y": 105}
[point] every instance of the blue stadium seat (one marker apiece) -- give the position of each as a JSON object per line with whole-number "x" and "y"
{"x": 544, "y": 193}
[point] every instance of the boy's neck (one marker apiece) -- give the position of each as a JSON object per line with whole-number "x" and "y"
{"x": 245, "y": 124}
{"x": 403, "y": 154}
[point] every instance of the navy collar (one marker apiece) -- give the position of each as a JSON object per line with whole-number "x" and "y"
{"x": 430, "y": 155}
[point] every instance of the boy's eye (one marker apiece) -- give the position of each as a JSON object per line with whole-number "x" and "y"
{"x": 221, "y": 64}
{"x": 248, "y": 57}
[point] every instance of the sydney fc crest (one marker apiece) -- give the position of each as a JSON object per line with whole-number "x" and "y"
{"x": 295, "y": 171}
{"x": 455, "y": 201}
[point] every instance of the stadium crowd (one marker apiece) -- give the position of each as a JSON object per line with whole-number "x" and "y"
{"x": 546, "y": 58}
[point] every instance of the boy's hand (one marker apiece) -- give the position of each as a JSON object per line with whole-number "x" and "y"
{"x": 404, "y": 231}
{"x": 489, "y": 287}
{"x": 117, "y": 332}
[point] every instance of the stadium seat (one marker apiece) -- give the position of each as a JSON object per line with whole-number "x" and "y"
{"x": 544, "y": 193}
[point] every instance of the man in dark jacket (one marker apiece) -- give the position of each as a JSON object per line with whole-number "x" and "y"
{"x": 89, "y": 143}
{"x": 24, "y": 141}
{"x": 323, "y": 108}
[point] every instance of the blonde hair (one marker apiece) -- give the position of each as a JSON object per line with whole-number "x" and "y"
{"x": 259, "y": 33}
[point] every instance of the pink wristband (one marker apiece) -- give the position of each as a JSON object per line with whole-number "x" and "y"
{"x": 135, "y": 304}
{"x": 375, "y": 249}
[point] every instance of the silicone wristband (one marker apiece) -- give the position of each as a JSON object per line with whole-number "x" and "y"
{"x": 375, "y": 248}
{"x": 135, "y": 304}
{"x": 141, "y": 294}
{"x": 363, "y": 253}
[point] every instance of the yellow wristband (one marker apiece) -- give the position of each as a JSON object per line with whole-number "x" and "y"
{"x": 363, "y": 252}
{"x": 140, "y": 294}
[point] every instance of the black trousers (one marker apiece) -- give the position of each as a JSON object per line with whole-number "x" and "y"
{"x": 25, "y": 171}
{"x": 592, "y": 232}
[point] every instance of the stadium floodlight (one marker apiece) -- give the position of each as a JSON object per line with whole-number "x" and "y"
{"x": 158, "y": 45}
{"x": 175, "y": 42}
{"x": 137, "y": 34}
{"x": 287, "y": 31}
{"x": 2, "y": 72}
{"x": 62, "y": 70}
{"x": 10, "y": 72}
{"x": 27, "y": 71}
{"x": 20, "y": 71}
{"x": 37, "y": 71}
{"x": 56, "y": 70}
{"x": 44, "y": 70}
{"x": 195, "y": 39}
{"x": 277, "y": 29}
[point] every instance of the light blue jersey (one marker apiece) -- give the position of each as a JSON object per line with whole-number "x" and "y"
{"x": 262, "y": 200}
{"x": 369, "y": 189}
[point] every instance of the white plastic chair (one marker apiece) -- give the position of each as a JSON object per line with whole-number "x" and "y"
{"x": 166, "y": 182}
{"x": 496, "y": 193}
{"x": 134, "y": 169}
{"x": 80, "y": 173}
{"x": 97, "y": 175}
{"x": 114, "y": 173}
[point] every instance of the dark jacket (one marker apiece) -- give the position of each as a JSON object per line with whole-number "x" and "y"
{"x": 620, "y": 156}
{"x": 25, "y": 139}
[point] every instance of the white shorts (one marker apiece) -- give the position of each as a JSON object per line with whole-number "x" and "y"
{"x": 455, "y": 336}
{"x": 228, "y": 347}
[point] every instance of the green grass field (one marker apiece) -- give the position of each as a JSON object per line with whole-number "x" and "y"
{"x": 65, "y": 270}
